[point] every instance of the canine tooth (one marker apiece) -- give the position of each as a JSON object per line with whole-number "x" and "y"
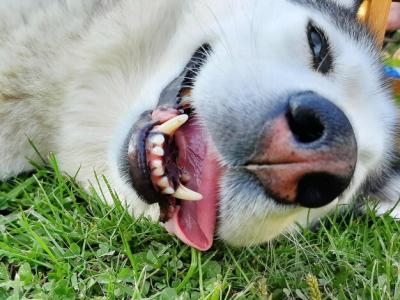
{"x": 158, "y": 151}
{"x": 157, "y": 139}
{"x": 164, "y": 183}
{"x": 168, "y": 191}
{"x": 172, "y": 125}
{"x": 156, "y": 164}
{"x": 184, "y": 193}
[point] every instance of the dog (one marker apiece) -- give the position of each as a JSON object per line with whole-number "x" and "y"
{"x": 226, "y": 119}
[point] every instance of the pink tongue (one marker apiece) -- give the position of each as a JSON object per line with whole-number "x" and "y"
{"x": 194, "y": 222}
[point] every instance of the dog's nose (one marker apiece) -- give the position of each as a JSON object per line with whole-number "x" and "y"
{"x": 307, "y": 154}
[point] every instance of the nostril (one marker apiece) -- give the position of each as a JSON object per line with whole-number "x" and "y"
{"x": 305, "y": 125}
{"x": 308, "y": 153}
{"x": 319, "y": 189}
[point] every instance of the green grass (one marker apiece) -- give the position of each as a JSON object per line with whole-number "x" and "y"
{"x": 57, "y": 242}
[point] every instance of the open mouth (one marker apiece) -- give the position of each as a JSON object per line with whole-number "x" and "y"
{"x": 172, "y": 162}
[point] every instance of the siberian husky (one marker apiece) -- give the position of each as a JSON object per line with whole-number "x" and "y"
{"x": 230, "y": 119}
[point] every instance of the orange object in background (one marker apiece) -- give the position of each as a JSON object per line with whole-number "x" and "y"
{"x": 376, "y": 13}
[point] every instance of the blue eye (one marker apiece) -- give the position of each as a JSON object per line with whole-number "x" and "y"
{"x": 319, "y": 46}
{"x": 316, "y": 43}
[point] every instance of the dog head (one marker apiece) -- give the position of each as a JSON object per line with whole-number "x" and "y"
{"x": 281, "y": 114}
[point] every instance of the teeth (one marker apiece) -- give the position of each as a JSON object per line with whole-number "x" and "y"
{"x": 168, "y": 191}
{"x": 157, "y": 139}
{"x": 164, "y": 183}
{"x": 184, "y": 193}
{"x": 172, "y": 125}
{"x": 158, "y": 171}
{"x": 156, "y": 164}
{"x": 158, "y": 151}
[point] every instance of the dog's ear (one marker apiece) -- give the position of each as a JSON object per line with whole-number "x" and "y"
{"x": 353, "y": 5}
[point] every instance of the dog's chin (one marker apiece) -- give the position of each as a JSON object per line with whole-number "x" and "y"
{"x": 247, "y": 215}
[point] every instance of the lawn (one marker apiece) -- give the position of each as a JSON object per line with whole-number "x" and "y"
{"x": 58, "y": 242}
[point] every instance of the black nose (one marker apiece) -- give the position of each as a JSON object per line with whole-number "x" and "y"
{"x": 309, "y": 154}
{"x": 320, "y": 126}
{"x": 314, "y": 119}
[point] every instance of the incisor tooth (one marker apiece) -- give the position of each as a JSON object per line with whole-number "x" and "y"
{"x": 168, "y": 191}
{"x": 173, "y": 125}
{"x": 158, "y": 171}
{"x": 157, "y": 139}
{"x": 158, "y": 151}
{"x": 184, "y": 193}
{"x": 156, "y": 163}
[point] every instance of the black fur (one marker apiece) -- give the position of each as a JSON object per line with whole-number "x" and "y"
{"x": 375, "y": 184}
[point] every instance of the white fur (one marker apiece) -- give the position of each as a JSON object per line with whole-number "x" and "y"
{"x": 346, "y": 3}
{"x": 75, "y": 75}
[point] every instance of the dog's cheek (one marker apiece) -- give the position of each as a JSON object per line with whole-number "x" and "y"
{"x": 389, "y": 196}
{"x": 246, "y": 215}
{"x": 384, "y": 190}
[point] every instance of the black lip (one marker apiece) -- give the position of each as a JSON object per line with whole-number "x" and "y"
{"x": 169, "y": 96}
{"x": 135, "y": 169}
{"x": 133, "y": 164}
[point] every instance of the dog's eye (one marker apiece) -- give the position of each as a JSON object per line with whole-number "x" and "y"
{"x": 319, "y": 45}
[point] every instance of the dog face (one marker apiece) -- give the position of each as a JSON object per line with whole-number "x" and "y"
{"x": 280, "y": 115}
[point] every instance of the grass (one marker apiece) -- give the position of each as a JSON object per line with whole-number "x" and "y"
{"x": 58, "y": 242}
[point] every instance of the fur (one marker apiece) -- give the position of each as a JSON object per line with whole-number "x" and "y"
{"x": 75, "y": 75}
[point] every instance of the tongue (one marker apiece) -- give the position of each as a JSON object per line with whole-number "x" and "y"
{"x": 194, "y": 222}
